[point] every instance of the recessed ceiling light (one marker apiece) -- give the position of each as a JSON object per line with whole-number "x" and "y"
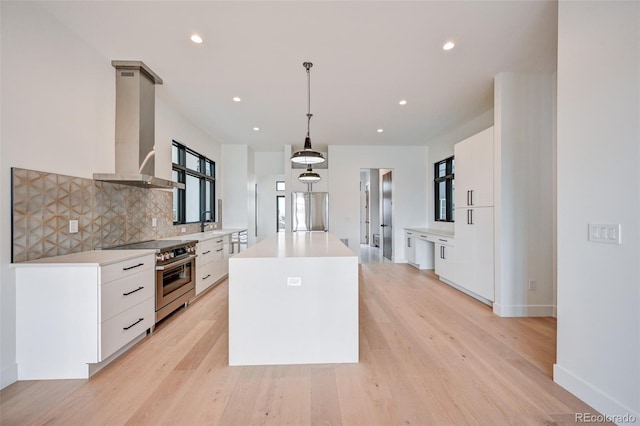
{"x": 449, "y": 45}
{"x": 236, "y": 99}
{"x": 196, "y": 39}
{"x": 402, "y": 102}
{"x": 380, "y": 130}
{"x": 256, "y": 129}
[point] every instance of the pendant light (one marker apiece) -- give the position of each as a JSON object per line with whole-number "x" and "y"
{"x": 309, "y": 176}
{"x": 308, "y": 155}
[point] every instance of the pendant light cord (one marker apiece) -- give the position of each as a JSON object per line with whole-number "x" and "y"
{"x": 308, "y": 66}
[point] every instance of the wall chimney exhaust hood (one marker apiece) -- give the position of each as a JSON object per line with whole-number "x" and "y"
{"x": 135, "y": 128}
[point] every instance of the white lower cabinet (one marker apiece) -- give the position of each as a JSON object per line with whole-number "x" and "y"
{"x": 445, "y": 259}
{"x": 474, "y": 245}
{"x": 75, "y": 313}
{"x": 409, "y": 247}
{"x": 212, "y": 262}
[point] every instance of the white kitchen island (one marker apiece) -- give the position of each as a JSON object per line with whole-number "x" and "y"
{"x": 293, "y": 299}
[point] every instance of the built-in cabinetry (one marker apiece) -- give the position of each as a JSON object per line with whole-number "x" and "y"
{"x": 474, "y": 214}
{"x": 474, "y": 171}
{"x": 469, "y": 263}
{"x": 77, "y": 312}
{"x": 445, "y": 258}
{"x": 214, "y": 250}
{"x": 211, "y": 263}
{"x": 419, "y": 245}
{"x": 410, "y": 247}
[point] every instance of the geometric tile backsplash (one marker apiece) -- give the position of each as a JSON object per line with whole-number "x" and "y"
{"x": 108, "y": 214}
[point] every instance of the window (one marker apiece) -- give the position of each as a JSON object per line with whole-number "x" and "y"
{"x": 444, "y": 189}
{"x": 198, "y": 173}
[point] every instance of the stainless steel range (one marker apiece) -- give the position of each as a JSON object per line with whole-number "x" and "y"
{"x": 175, "y": 272}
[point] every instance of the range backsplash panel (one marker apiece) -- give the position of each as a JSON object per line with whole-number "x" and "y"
{"x": 108, "y": 214}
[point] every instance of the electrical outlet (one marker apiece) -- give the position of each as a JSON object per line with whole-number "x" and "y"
{"x": 294, "y": 281}
{"x": 183, "y": 230}
{"x": 533, "y": 285}
{"x": 73, "y": 226}
{"x": 154, "y": 222}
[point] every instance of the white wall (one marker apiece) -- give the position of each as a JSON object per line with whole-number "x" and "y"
{"x": 238, "y": 189}
{"x": 441, "y": 148}
{"x": 409, "y": 165}
{"x": 58, "y": 115}
{"x": 269, "y": 169}
{"x": 598, "y": 351}
{"x": 524, "y": 194}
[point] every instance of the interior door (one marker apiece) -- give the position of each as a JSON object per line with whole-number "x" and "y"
{"x": 387, "y": 230}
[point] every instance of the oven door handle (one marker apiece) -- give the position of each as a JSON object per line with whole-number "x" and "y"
{"x": 177, "y": 263}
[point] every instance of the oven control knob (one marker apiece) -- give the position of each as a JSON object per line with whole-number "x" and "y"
{"x": 159, "y": 257}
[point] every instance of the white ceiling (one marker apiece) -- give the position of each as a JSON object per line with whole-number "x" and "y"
{"x": 367, "y": 56}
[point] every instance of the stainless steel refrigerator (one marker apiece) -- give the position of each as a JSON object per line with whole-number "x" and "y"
{"x": 310, "y": 211}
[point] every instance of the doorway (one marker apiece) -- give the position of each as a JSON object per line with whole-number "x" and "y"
{"x": 387, "y": 219}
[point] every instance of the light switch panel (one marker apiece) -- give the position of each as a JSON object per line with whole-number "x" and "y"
{"x": 73, "y": 226}
{"x": 605, "y": 233}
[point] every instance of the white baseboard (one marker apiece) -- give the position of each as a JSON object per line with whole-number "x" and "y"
{"x": 523, "y": 310}
{"x": 467, "y": 292}
{"x": 593, "y": 396}
{"x": 9, "y": 375}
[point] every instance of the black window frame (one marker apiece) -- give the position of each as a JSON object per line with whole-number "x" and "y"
{"x": 182, "y": 172}
{"x": 448, "y": 178}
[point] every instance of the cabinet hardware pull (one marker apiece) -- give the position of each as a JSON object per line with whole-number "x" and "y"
{"x": 132, "y": 291}
{"x": 409, "y": 242}
{"x": 220, "y": 249}
{"x": 131, "y": 267}
{"x": 423, "y": 236}
{"x": 443, "y": 253}
{"x": 219, "y": 241}
{"x": 126, "y": 328}
{"x": 468, "y": 198}
{"x": 469, "y": 216}
{"x": 206, "y": 252}
{"x": 440, "y": 239}
{"x": 471, "y": 193}
{"x": 208, "y": 275}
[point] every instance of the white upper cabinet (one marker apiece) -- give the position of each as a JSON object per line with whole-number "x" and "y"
{"x": 474, "y": 170}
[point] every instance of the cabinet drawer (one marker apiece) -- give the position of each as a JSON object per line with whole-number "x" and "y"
{"x": 124, "y": 327}
{"x": 439, "y": 239}
{"x": 209, "y": 250}
{"x": 206, "y": 277}
{"x": 119, "y": 295}
{"x": 126, "y": 268}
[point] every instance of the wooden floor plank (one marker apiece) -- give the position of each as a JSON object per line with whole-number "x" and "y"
{"x": 428, "y": 355}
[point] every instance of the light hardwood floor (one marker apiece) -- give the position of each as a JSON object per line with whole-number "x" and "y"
{"x": 429, "y": 355}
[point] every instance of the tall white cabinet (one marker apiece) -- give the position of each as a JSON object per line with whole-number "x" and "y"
{"x": 474, "y": 224}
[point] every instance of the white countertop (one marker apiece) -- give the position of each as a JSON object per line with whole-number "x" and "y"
{"x": 298, "y": 244}
{"x": 432, "y": 231}
{"x": 87, "y": 258}
{"x": 207, "y": 235}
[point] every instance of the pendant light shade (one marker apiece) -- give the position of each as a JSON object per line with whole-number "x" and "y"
{"x": 309, "y": 176}
{"x": 308, "y": 155}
